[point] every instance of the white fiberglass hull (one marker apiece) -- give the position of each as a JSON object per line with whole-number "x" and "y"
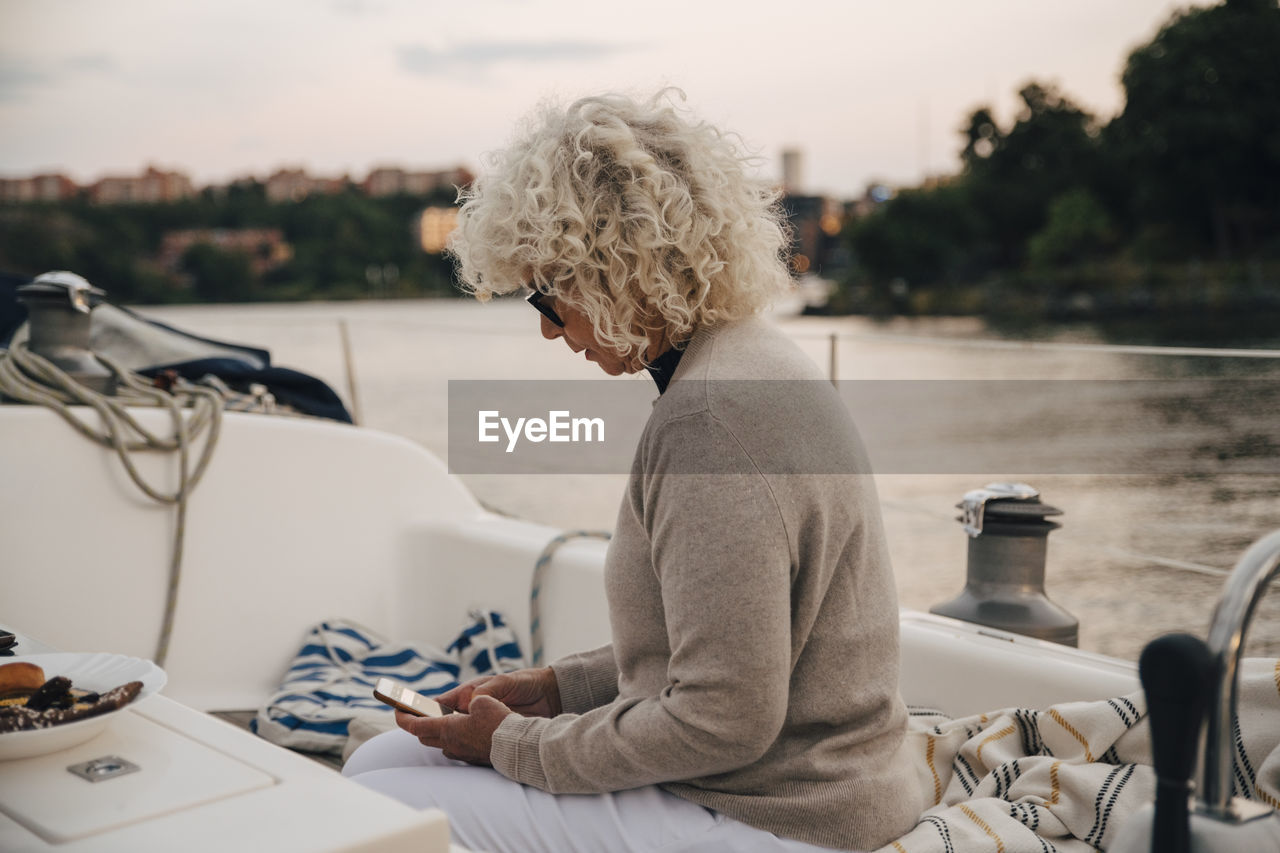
{"x": 301, "y": 520}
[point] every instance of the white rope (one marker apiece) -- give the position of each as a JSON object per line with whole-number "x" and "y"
{"x": 29, "y": 378}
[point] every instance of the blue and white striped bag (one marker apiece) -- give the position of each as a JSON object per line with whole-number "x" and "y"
{"x": 329, "y": 684}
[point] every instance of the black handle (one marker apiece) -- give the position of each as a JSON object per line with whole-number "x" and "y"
{"x": 1177, "y": 675}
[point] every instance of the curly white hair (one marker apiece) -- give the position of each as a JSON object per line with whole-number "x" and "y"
{"x": 634, "y": 214}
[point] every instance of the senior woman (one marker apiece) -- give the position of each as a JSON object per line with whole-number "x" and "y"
{"x": 749, "y": 699}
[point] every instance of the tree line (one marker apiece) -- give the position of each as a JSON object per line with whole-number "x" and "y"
{"x": 344, "y": 245}
{"x": 1172, "y": 204}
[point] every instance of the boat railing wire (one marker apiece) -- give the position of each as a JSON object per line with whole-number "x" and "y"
{"x": 1045, "y": 346}
{"x": 832, "y": 337}
{"x": 921, "y": 340}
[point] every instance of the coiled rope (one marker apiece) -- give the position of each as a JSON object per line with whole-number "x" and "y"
{"x": 535, "y": 591}
{"x": 30, "y": 378}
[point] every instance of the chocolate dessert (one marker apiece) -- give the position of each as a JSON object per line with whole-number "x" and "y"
{"x": 28, "y": 701}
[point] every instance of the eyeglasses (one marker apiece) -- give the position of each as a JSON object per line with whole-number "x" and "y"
{"x": 537, "y": 300}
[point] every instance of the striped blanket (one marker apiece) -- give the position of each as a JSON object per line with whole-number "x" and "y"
{"x": 1066, "y": 778}
{"x": 327, "y": 691}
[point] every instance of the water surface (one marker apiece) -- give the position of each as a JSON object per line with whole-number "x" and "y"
{"x": 1139, "y": 554}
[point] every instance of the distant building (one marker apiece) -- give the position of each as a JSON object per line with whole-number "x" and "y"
{"x": 151, "y": 187}
{"x": 296, "y": 184}
{"x": 53, "y": 187}
{"x": 287, "y": 185}
{"x": 792, "y": 171}
{"x": 284, "y": 185}
{"x": 435, "y": 224}
{"x": 816, "y": 222}
{"x": 265, "y": 247}
{"x": 391, "y": 180}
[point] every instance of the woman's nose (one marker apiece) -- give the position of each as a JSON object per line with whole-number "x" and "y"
{"x": 550, "y": 330}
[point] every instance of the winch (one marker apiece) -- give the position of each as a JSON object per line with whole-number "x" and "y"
{"x": 59, "y": 306}
{"x": 1008, "y": 529}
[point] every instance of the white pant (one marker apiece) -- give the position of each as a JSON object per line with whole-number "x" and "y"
{"x": 487, "y": 811}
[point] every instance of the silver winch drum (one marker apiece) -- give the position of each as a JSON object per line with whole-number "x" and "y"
{"x": 1008, "y": 528}
{"x": 59, "y": 316}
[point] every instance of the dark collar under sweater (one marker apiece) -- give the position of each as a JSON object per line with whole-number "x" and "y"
{"x": 664, "y": 367}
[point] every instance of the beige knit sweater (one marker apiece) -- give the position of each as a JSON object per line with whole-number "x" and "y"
{"x": 754, "y": 663}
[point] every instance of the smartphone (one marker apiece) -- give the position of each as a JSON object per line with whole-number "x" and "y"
{"x": 400, "y": 696}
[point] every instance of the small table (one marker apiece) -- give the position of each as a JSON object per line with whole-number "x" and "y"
{"x": 201, "y": 785}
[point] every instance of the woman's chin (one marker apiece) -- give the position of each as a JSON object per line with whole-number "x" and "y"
{"x": 611, "y": 366}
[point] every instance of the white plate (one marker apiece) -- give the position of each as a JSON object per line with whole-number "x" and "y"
{"x": 88, "y": 671}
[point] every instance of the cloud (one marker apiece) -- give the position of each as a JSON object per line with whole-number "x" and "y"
{"x": 15, "y": 79}
{"x": 478, "y": 56}
{"x": 357, "y": 8}
{"x": 91, "y": 63}
{"x": 18, "y": 78}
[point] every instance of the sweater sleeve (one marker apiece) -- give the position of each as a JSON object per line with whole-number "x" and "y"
{"x": 586, "y": 680}
{"x": 720, "y": 554}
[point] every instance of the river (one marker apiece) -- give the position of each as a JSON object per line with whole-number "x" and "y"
{"x": 1139, "y": 553}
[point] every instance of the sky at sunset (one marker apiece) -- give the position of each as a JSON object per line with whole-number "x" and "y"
{"x": 868, "y": 90}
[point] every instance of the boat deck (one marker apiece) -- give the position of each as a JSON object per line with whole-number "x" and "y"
{"x": 241, "y": 720}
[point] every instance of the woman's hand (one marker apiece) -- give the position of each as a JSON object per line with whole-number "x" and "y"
{"x": 484, "y": 703}
{"x": 528, "y": 692}
{"x": 463, "y": 737}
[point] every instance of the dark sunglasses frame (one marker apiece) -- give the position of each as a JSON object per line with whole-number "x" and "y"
{"x": 536, "y": 300}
